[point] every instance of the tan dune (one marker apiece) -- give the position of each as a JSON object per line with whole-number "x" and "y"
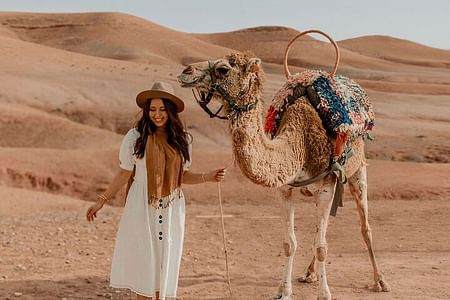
{"x": 269, "y": 44}
{"x": 44, "y": 130}
{"x": 110, "y": 35}
{"x": 398, "y": 50}
{"x": 67, "y": 88}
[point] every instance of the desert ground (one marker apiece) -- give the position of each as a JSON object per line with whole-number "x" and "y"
{"x": 67, "y": 89}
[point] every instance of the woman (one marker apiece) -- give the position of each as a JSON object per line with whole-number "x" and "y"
{"x": 155, "y": 156}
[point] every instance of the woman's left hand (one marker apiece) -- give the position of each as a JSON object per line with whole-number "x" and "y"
{"x": 216, "y": 175}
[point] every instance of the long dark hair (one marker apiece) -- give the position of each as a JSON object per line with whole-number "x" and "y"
{"x": 176, "y": 136}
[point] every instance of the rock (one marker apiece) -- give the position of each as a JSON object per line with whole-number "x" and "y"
{"x": 18, "y": 294}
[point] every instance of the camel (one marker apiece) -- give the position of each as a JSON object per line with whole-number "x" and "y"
{"x": 300, "y": 150}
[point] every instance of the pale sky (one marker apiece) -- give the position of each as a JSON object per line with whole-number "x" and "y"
{"x": 423, "y": 21}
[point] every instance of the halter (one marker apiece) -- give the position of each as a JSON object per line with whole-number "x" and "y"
{"x": 235, "y": 108}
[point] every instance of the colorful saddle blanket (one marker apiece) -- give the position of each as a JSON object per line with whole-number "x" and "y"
{"x": 342, "y": 104}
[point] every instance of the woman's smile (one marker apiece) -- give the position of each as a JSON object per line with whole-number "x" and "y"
{"x": 158, "y": 113}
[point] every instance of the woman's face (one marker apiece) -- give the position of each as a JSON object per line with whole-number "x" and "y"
{"x": 158, "y": 113}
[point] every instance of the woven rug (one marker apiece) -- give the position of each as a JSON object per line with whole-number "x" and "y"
{"x": 342, "y": 104}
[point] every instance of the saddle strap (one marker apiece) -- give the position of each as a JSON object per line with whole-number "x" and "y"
{"x": 338, "y": 171}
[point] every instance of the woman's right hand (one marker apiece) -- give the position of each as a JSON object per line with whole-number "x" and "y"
{"x": 216, "y": 175}
{"x": 91, "y": 213}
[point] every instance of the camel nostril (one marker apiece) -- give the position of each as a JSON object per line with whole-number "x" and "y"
{"x": 189, "y": 70}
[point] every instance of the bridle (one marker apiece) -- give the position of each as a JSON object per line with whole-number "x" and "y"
{"x": 235, "y": 109}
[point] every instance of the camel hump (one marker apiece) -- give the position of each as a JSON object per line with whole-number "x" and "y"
{"x": 341, "y": 103}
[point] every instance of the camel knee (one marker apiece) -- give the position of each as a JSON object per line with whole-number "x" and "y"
{"x": 321, "y": 253}
{"x": 358, "y": 184}
{"x": 362, "y": 184}
{"x": 289, "y": 248}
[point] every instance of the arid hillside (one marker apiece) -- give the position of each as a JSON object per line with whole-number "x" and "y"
{"x": 68, "y": 83}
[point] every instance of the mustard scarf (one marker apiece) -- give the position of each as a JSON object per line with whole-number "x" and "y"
{"x": 164, "y": 167}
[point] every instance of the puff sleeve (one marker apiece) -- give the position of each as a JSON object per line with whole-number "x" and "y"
{"x": 126, "y": 157}
{"x": 187, "y": 163}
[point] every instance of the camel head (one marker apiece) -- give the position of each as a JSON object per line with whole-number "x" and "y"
{"x": 234, "y": 80}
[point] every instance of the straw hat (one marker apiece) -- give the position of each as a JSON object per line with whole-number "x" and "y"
{"x": 160, "y": 90}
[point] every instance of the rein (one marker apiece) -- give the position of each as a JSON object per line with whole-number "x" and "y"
{"x": 235, "y": 109}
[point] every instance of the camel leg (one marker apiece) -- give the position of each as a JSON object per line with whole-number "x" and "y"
{"x": 310, "y": 275}
{"x": 289, "y": 244}
{"x": 323, "y": 204}
{"x": 358, "y": 188}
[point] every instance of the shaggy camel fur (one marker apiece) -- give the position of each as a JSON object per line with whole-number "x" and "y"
{"x": 301, "y": 149}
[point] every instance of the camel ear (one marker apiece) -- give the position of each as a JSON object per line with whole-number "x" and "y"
{"x": 254, "y": 65}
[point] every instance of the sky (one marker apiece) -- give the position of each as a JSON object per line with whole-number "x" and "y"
{"x": 423, "y": 21}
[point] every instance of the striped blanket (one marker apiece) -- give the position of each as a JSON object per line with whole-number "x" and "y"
{"x": 342, "y": 104}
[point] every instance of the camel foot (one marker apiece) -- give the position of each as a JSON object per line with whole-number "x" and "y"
{"x": 324, "y": 296}
{"x": 284, "y": 292}
{"x": 308, "y": 277}
{"x": 381, "y": 286}
{"x": 281, "y": 297}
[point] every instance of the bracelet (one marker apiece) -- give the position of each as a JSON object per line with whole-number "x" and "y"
{"x": 103, "y": 197}
{"x": 203, "y": 176}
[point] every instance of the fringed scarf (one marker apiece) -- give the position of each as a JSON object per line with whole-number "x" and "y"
{"x": 164, "y": 167}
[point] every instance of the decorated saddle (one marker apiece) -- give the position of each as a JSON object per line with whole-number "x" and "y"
{"x": 341, "y": 103}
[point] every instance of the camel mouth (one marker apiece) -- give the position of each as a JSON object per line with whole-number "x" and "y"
{"x": 185, "y": 83}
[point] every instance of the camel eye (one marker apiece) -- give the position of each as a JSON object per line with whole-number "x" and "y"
{"x": 223, "y": 70}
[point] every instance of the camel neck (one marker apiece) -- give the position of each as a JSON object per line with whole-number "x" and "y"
{"x": 264, "y": 161}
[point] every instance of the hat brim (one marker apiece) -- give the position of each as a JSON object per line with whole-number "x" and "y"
{"x": 143, "y": 96}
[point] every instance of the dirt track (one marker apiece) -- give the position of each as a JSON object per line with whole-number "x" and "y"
{"x": 55, "y": 256}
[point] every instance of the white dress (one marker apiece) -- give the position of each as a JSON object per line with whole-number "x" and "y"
{"x": 149, "y": 240}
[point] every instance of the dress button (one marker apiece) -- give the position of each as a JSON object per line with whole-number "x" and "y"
{"x": 160, "y": 216}
{"x": 160, "y": 221}
{"x": 160, "y": 233}
{"x": 160, "y": 238}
